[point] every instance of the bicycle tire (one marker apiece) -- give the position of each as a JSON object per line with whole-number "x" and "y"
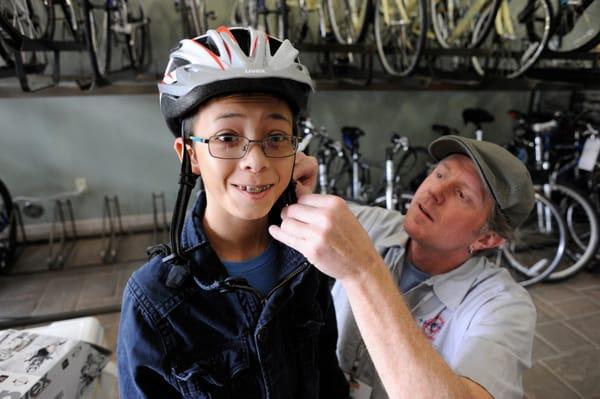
{"x": 440, "y": 20}
{"x": 511, "y": 54}
{"x": 527, "y": 254}
{"x": 401, "y": 201}
{"x": 138, "y": 41}
{"x": 282, "y": 19}
{"x": 413, "y": 168}
{"x": 344, "y": 30}
{"x": 190, "y": 20}
{"x": 8, "y": 229}
{"x": 98, "y": 35}
{"x": 31, "y": 19}
{"x": 564, "y": 196}
{"x": 402, "y": 39}
{"x": 297, "y": 23}
{"x": 572, "y": 32}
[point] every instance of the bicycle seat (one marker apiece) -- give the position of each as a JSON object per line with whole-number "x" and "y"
{"x": 350, "y": 136}
{"x": 477, "y": 116}
{"x": 444, "y": 130}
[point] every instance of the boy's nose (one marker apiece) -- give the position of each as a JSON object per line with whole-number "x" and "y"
{"x": 255, "y": 158}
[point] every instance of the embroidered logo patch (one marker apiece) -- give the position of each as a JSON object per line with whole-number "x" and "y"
{"x": 432, "y": 327}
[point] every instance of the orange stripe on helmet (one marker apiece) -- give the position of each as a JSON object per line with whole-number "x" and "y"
{"x": 254, "y": 46}
{"x": 213, "y": 55}
{"x": 224, "y": 29}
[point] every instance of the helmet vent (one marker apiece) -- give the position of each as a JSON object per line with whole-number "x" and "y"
{"x": 210, "y": 44}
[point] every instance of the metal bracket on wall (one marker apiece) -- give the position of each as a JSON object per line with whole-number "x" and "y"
{"x": 160, "y": 229}
{"x": 58, "y": 256}
{"x": 112, "y": 229}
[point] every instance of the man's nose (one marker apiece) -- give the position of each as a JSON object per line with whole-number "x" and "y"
{"x": 437, "y": 191}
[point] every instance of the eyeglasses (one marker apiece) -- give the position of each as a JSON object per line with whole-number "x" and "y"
{"x": 230, "y": 146}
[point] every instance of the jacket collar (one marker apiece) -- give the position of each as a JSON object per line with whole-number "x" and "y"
{"x": 205, "y": 266}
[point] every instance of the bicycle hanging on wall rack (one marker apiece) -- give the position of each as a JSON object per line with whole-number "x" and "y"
{"x": 99, "y": 27}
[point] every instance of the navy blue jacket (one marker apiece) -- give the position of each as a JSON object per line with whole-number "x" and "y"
{"x": 216, "y": 337}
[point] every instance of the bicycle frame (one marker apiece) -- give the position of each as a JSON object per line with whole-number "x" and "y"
{"x": 464, "y": 22}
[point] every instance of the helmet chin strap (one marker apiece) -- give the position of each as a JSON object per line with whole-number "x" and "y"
{"x": 187, "y": 182}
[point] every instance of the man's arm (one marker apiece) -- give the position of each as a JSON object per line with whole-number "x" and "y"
{"x": 327, "y": 233}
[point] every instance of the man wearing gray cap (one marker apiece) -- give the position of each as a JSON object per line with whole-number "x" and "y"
{"x": 420, "y": 313}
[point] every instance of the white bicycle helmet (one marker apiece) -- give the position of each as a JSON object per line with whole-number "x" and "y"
{"x": 227, "y": 61}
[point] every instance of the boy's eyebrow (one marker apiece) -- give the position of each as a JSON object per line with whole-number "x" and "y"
{"x": 278, "y": 116}
{"x": 273, "y": 115}
{"x": 229, "y": 115}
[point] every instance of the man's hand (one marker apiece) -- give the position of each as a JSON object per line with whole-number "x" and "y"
{"x": 305, "y": 174}
{"x": 323, "y": 229}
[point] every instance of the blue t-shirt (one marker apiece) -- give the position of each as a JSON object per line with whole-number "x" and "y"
{"x": 261, "y": 272}
{"x": 411, "y": 276}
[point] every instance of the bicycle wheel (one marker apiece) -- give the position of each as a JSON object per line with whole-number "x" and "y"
{"x": 412, "y": 168}
{"x": 400, "y": 32}
{"x": 539, "y": 244}
{"x": 239, "y": 14}
{"x": 193, "y": 17}
{"x": 32, "y": 19}
{"x": 349, "y": 19}
{"x": 297, "y": 21}
{"x": 138, "y": 37}
{"x": 400, "y": 201}
{"x": 522, "y": 29}
{"x": 269, "y": 16}
{"x": 8, "y": 229}
{"x": 576, "y": 26}
{"x": 98, "y": 17}
{"x": 454, "y": 22}
{"x": 583, "y": 223}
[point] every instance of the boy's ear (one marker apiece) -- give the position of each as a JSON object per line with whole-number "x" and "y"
{"x": 178, "y": 147}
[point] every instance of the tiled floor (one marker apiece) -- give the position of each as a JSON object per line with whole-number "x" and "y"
{"x": 567, "y": 343}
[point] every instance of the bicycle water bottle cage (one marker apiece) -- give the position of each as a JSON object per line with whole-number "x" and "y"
{"x": 444, "y": 130}
{"x": 350, "y": 136}
{"x": 476, "y": 116}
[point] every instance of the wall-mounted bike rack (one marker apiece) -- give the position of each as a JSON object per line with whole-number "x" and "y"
{"x": 160, "y": 227}
{"x": 58, "y": 252}
{"x": 112, "y": 229}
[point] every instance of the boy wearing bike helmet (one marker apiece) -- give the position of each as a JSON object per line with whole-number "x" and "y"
{"x": 228, "y": 312}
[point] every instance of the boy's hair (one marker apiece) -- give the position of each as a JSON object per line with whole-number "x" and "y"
{"x": 188, "y": 121}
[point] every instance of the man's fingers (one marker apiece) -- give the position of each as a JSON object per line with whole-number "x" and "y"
{"x": 322, "y": 201}
{"x": 286, "y": 238}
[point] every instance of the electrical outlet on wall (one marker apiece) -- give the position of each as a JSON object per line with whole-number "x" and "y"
{"x": 81, "y": 184}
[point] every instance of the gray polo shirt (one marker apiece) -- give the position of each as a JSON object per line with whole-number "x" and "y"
{"x": 476, "y": 316}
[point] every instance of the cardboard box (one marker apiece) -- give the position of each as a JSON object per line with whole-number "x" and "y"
{"x": 47, "y": 367}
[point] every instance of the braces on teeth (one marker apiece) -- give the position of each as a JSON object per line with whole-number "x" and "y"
{"x": 255, "y": 189}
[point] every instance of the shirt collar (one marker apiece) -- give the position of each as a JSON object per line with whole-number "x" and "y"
{"x": 452, "y": 287}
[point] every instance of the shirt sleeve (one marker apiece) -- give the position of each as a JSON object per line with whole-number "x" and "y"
{"x": 139, "y": 353}
{"x": 497, "y": 346}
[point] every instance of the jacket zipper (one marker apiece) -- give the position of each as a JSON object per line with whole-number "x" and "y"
{"x": 263, "y": 300}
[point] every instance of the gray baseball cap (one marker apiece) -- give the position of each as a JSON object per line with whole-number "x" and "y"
{"x": 504, "y": 174}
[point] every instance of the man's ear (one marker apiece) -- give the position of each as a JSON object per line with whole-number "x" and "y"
{"x": 487, "y": 240}
{"x": 178, "y": 147}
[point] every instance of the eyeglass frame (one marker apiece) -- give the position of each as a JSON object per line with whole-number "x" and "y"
{"x": 294, "y": 141}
